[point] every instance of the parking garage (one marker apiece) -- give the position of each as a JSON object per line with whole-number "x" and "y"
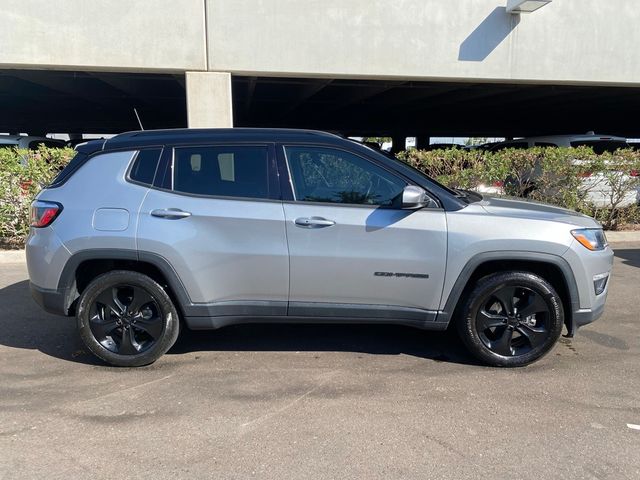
{"x": 419, "y": 68}
{"x": 38, "y": 101}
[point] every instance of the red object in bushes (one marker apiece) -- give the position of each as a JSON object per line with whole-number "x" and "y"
{"x": 25, "y": 185}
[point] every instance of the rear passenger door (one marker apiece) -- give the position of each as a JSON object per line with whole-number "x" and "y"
{"x": 215, "y": 215}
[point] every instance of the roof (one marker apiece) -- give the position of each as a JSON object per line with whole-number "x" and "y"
{"x": 199, "y": 135}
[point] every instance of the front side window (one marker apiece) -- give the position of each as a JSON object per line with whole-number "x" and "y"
{"x": 227, "y": 171}
{"x": 321, "y": 174}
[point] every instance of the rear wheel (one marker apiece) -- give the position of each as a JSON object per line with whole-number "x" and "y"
{"x": 127, "y": 319}
{"x": 511, "y": 319}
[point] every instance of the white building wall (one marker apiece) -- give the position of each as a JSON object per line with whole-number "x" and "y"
{"x": 567, "y": 41}
{"x": 157, "y": 35}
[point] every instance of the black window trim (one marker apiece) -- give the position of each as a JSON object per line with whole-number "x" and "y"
{"x": 286, "y": 183}
{"x": 165, "y": 171}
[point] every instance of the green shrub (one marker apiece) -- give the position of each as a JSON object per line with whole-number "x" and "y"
{"x": 550, "y": 175}
{"x": 22, "y": 174}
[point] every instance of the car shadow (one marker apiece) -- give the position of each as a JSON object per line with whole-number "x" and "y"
{"x": 24, "y": 325}
{"x": 357, "y": 338}
{"x": 629, "y": 256}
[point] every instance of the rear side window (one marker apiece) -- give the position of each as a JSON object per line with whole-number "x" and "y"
{"x": 144, "y": 166}
{"x": 226, "y": 171}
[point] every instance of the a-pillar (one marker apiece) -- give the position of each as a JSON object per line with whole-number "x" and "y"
{"x": 209, "y": 100}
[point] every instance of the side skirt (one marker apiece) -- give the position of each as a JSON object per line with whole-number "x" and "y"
{"x": 317, "y": 313}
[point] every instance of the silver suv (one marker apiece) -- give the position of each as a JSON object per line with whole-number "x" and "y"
{"x": 150, "y": 230}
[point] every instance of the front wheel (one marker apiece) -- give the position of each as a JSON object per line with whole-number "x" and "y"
{"x": 127, "y": 319}
{"x": 511, "y": 319}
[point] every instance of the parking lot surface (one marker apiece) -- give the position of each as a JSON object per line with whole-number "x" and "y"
{"x": 319, "y": 402}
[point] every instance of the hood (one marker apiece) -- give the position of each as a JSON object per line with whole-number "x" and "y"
{"x": 519, "y": 208}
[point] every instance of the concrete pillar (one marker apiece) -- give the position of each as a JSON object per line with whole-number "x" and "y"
{"x": 422, "y": 142}
{"x": 209, "y": 100}
{"x": 398, "y": 143}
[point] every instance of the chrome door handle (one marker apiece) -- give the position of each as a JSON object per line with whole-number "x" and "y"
{"x": 314, "y": 222}
{"x": 170, "y": 213}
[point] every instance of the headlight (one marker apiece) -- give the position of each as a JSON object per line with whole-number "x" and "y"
{"x": 591, "y": 238}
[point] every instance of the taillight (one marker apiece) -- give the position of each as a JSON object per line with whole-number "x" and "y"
{"x": 634, "y": 173}
{"x": 498, "y": 184}
{"x": 44, "y": 213}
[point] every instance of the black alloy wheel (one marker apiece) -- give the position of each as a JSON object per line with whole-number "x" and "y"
{"x": 511, "y": 319}
{"x": 125, "y": 319}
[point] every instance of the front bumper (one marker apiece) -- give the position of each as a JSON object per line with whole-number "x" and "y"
{"x": 585, "y": 316}
{"x": 587, "y": 266}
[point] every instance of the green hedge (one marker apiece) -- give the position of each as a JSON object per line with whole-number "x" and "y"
{"x": 559, "y": 181}
{"x": 22, "y": 175}
{"x": 558, "y": 174}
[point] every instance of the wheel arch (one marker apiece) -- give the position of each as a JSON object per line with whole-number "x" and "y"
{"x": 553, "y": 268}
{"x": 84, "y": 266}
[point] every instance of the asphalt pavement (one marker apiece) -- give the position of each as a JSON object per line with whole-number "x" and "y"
{"x": 319, "y": 402}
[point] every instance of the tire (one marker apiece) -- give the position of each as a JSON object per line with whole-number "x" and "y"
{"x": 127, "y": 319}
{"x": 511, "y": 319}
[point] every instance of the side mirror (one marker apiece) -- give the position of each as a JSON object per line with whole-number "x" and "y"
{"x": 414, "y": 198}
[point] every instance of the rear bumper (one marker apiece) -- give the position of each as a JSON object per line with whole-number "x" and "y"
{"x": 51, "y": 301}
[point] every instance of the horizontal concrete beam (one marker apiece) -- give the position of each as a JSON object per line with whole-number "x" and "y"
{"x": 567, "y": 42}
{"x": 116, "y": 35}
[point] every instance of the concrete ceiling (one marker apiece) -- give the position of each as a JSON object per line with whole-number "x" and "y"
{"x": 38, "y": 101}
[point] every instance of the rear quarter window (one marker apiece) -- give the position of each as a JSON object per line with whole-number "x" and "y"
{"x": 143, "y": 169}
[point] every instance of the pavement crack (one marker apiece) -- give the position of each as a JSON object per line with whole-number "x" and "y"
{"x": 292, "y": 403}
{"x": 120, "y": 392}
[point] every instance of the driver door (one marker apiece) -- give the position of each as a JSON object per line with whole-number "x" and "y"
{"x": 353, "y": 251}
